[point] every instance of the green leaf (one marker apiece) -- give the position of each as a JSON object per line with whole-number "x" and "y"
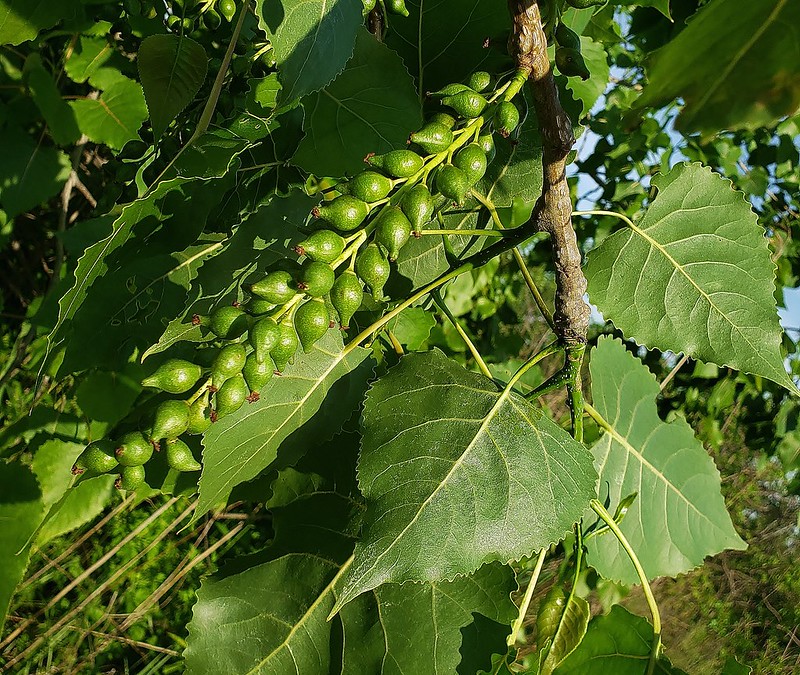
{"x": 443, "y": 42}
{"x": 32, "y": 172}
{"x": 312, "y": 40}
{"x": 310, "y": 402}
{"x": 618, "y": 642}
{"x": 412, "y": 327}
{"x": 661, "y": 5}
{"x": 588, "y": 91}
{"x": 735, "y": 66}
{"x": 58, "y": 115}
{"x": 278, "y": 608}
{"x": 679, "y": 516}
{"x": 82, "y": 504}
{"x": 21, "y": 511}
{"x": 569, "y": 633}
{"x": 21, "y": 20}
{"x": 115, "y": 117}
{"x": 96, "y": 60}
{"x": 694, "y": 275}
{"x": 447, "y": 458}
{"x": 172, "y": 69}
{"x": 347, "y": 119}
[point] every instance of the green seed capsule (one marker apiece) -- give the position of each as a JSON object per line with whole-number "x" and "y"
{"x": 231, "y": 395}
{"x": 471, "y": 159}
{"x": 566, "y": 37}
{"x": 287, "y": 345}
{"x": 373, "y": 269}
{"x": 506, "y": 118}
{"x": 316, "y": 279}
{"x": 228, "y": 322}
{"x": 211, "y": 20}
{"x": 322, "y": 246}
{"x": 397, "y": 7}
{"x": 486, "y": 141}
{"x": 257, "y": 373}
{"x": 133, "y": 449}
{"x": 369, "y": 186}
{"x": 345, "y": 213}
{"x": 277, "y": 287}
{"x": 433, "y": 138}
{"x": 418, "y": 206}
{"x": 227, "y": 8}
{"x": 453, "y": 183}
{"x": 171, "y": 419}
{"x": 175, "y": 376}
{"x": 392, "y": 231}
{"x": 97, "y": 457}
{"x": 180, "y": 457}
{"x": 449, "y": 90}
{"x": 570, "y": 63}
{"x": 467, "y": 104}
{"x": 131, "y": 478}
{"x": 585, "y": 4}
{"x": 397, "y": 163}
{"x": 443, "y": 118}
{"x": 263, "y": 337}
{"x": 257, "y": 306}
{"x": 311, "y": 322}
{"x": 369, "y": 5}
{"x": 480, "y": 81}
{"x": 199, "y": 416}
{"x": 228, "y": 363}
{"x": 347, "y": 295}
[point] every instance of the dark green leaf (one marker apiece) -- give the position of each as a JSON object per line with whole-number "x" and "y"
{"x": 172, "y": 69}
{"x": 21, "y": 20}
{"x": 58, "y": 115}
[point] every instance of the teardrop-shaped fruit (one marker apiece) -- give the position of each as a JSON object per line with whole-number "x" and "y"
{"x": 486, "y": 142}
{"x": 570, "y": 63}
{"x": 211, "y": 20}
{"x": 418, "y": 205}
{"x": 258, "y": 306}
{"x": 174, "y": 376}
{"x": 373, "y": 269}
{"x": 471, "y": 159}
{"x": 433, "y": 137}
{"x": 227, "y": 8}
{"x": 228, "y": 322}
{"x": 171, "y": 419}
{"x": 369, "y": 5}
{"x": 133, "y": 449}
{"x": 566, "y": 37}
{"x": 97, "y": 457}
{"x": 397, "y": 7}
{"x": 277, "y": 287}
{"x": 130, "y": 478}
{"x": 230, "y": 361}
{"x": 480, "y": 81}
{"x": 263, "y": 337}
{"x": 287, "y": 345}
{"x": 257, "y": 373}
{"x": 369, "y": 186}
{"x": 397, "y": 163}
{"x": 506, "y": 118}
{"x": 392, "y": 231}
{"x": 448, "y": 90}
{"x": 199, "y": 416}
{"x": 453, "y": 183}
{"x": 231, "y": 395}
{"x": 180, "y": 457}
{"x": 347, "y": 295}
{"x": 311, "y": 322}
{"x": 443, "y": 118}
{"x": 345, "y": 213}
{"x": 322, "y": 246}
{"x": 316, "y": 279}
{"x": 467, "y": 104}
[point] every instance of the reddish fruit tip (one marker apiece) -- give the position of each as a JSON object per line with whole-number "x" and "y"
{"x": 196, "y": 319}
{"x": 302, "y": 286}
{"x": 331, "y": 324}
{"x": 118, "y": 483}
{"x": 156, "y": 445}
{"x": 315, "y": 212}
{"x": 505, "y": 133}
{"x": 277, "y": 372}
{"x": 212, "y": 388}
{"x": 416, "y": 234}
{"x": 76, "y": 470}
{"x": 236, "y": 303}
{"x": 368, "y": 156}
{"x": 299, "y": 250}
{"x": 253, "y": 397}
{"x": 119, "y": 451}
{"x": 487, "y": 43}
{"x": 214, "y": 416}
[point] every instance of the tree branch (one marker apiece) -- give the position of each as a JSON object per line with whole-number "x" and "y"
{"x": 553, "y": 210}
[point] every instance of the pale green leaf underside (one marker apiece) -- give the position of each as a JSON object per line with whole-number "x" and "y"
{"x": 678, "y": 517}
{"x": 457, "y": 474}
{"x": 115, "y": 117}
{"x": 570, "y": 631}
{"x": 619, "y": 643}
{"x": 241, "y": 445}
{"x": 693, "y": 276}
{"x": 172, "y": 69}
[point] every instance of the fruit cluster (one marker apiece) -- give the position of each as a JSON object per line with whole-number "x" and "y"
{"x": 186, "y": 14}
{"x": 392, "y": 6}
{"x": 365, "y": 223}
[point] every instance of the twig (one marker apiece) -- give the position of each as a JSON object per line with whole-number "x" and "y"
{"x": 673, "y": 372}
